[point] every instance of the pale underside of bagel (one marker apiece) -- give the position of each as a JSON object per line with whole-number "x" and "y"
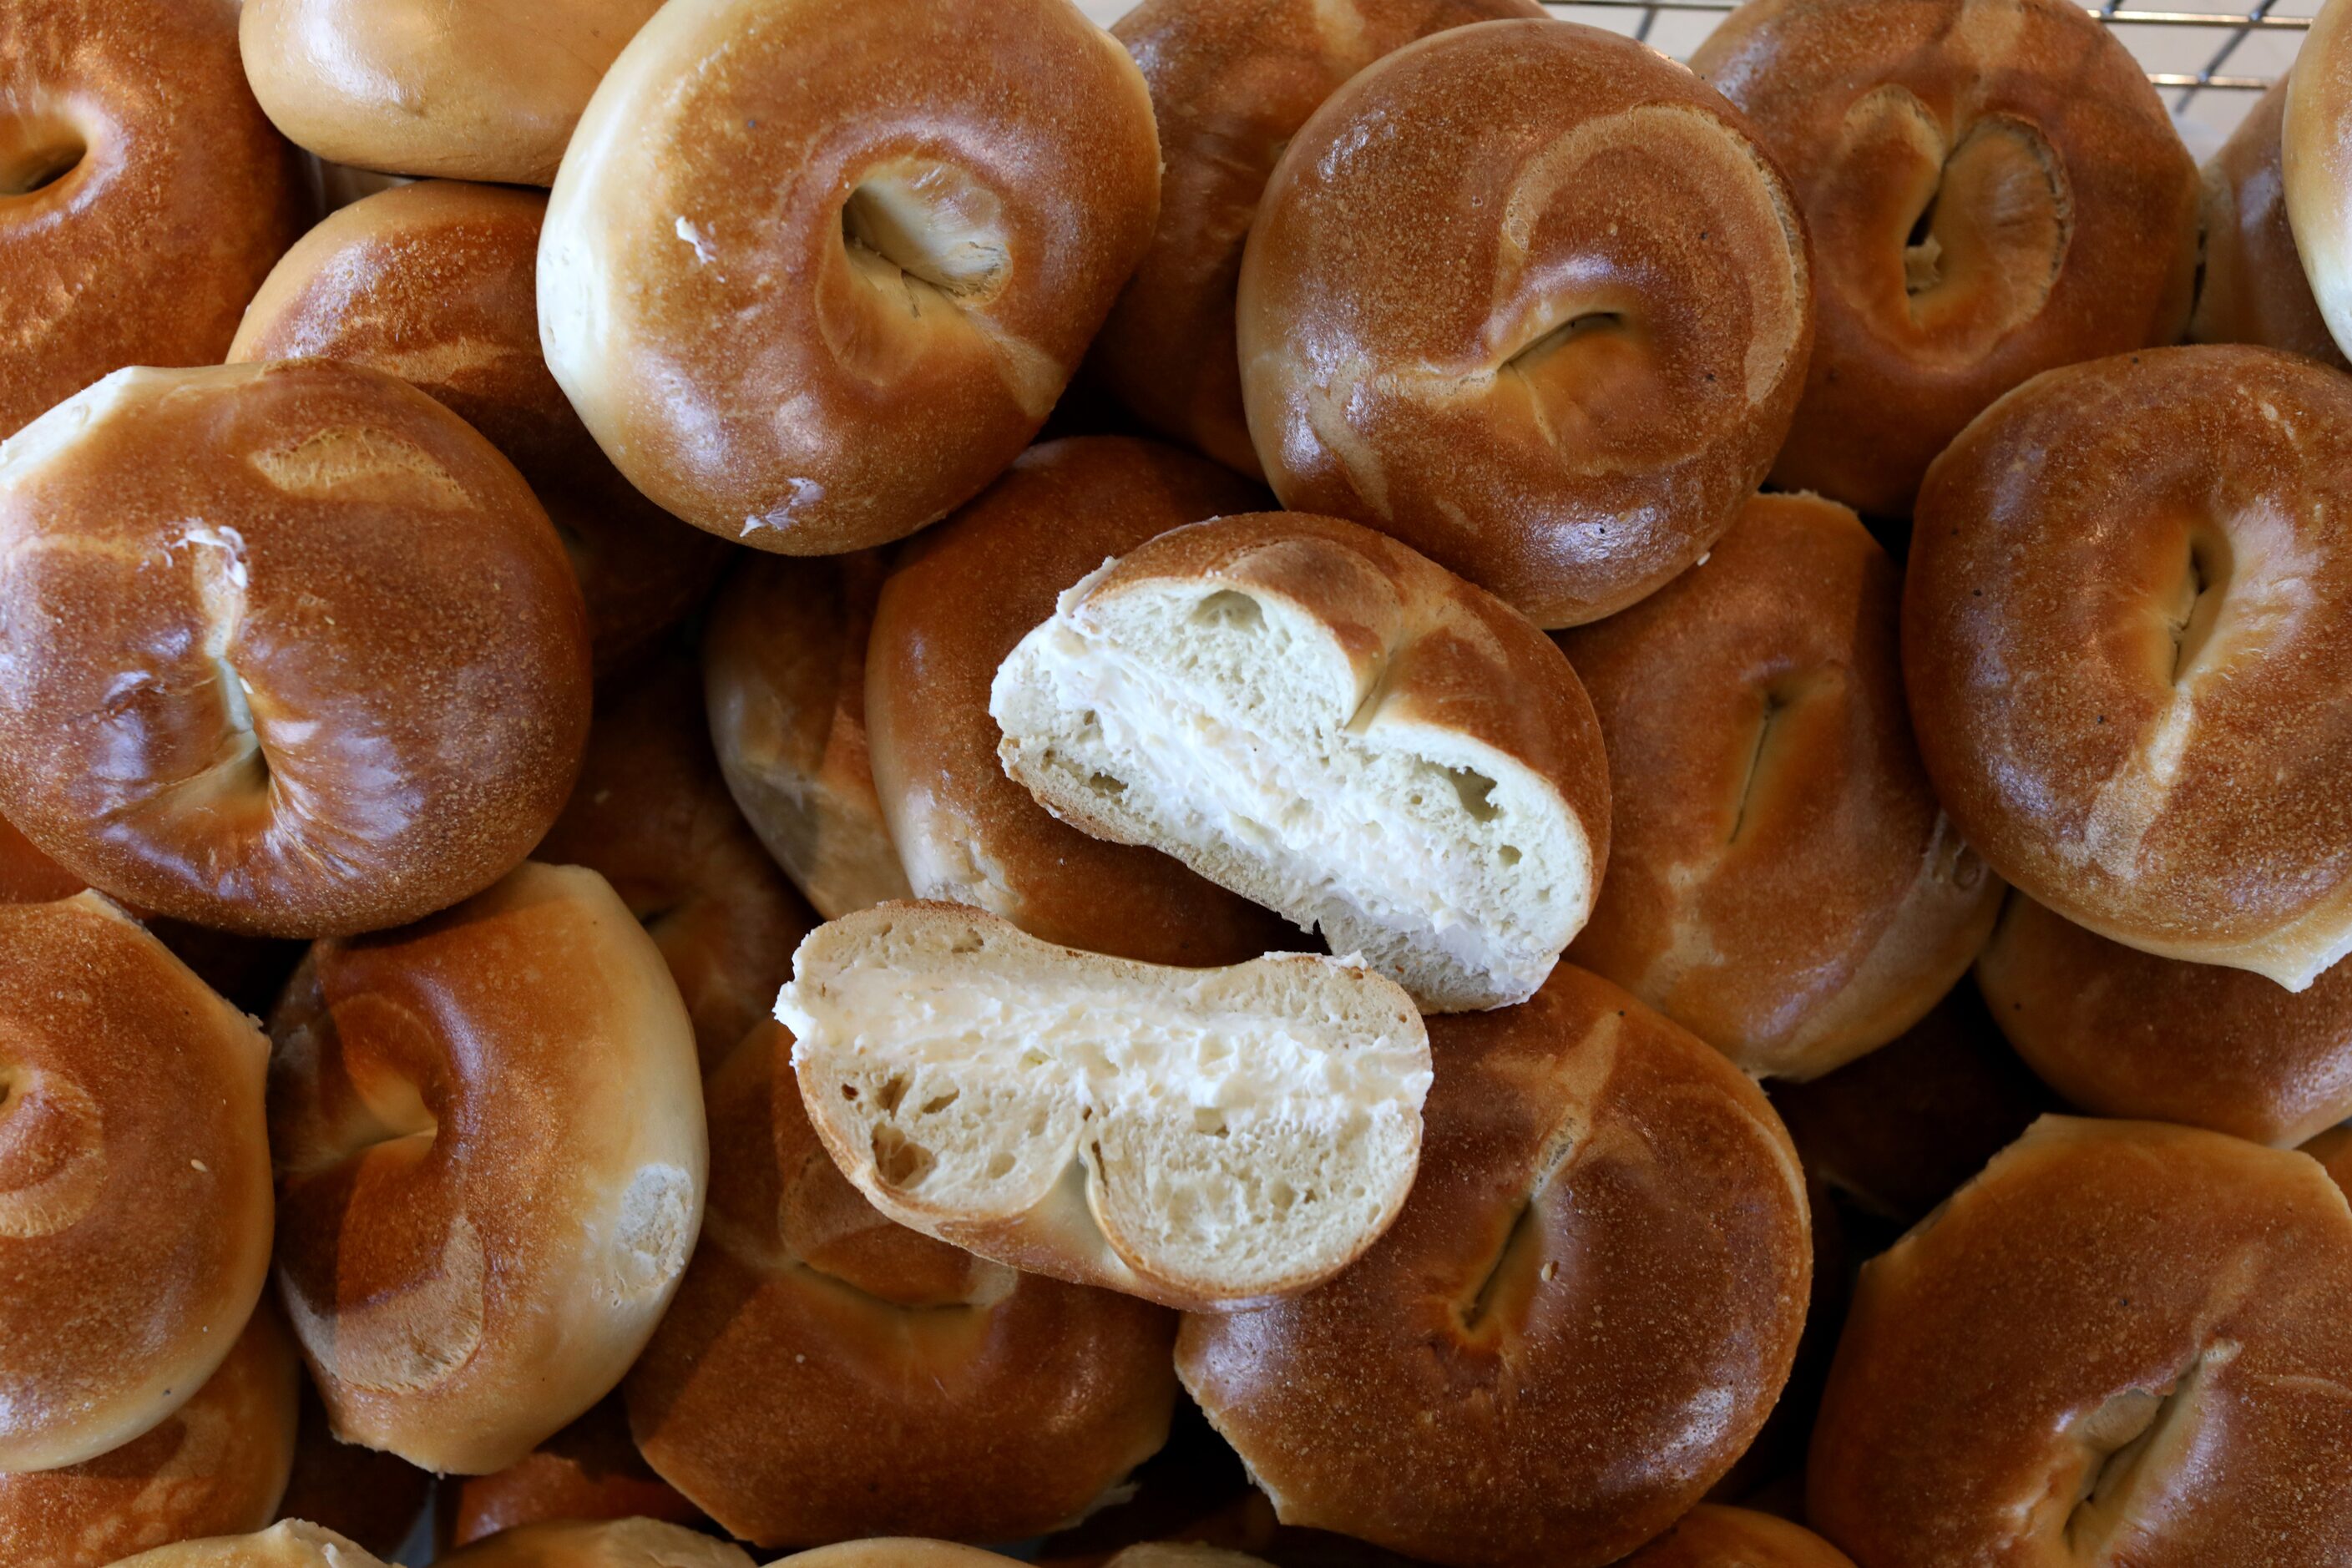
{"x": 1203, "y": 1138}
{"x": 1232, "y": 730}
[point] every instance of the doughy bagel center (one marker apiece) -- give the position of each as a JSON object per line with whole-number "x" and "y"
{"x": 2198, "y": 599}
{"x": 926, "y": 233}
{"x": 2122, "y": 1455}
{"x": 37, "y": 150}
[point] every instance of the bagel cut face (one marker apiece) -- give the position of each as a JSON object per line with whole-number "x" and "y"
{"x": 1313, "y": 715}
{"x": 1201, "y": 1138}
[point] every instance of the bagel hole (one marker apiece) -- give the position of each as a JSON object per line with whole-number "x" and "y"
{"x": 2198, "y": 600}
{"x": 2123, "y": 1440}
{"x": 1557, "y": 338}
{"x": 1513, "y": 1273}
{"x": 929, "y": 224}
{"x": 36, "y": 153}
{"x": 1986, "y": 246}
{"x": 1923, "y": 253}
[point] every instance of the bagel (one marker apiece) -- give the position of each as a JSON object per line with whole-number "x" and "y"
{"x": 590, "y": 1470}
{"x": 135, "y": 1181}
{"x": 2132, "y": 679}
{"x": 29, "y": 877}
{"x": 957, "y": 601}
{"x": 435, "y": 283}
{"x": 892, "y": 1555}
{"x": 1231, "y": 82}
{"x": 1203, "y": 1137}
{"x": 488, "y": 1130}
{"x": 2315, "y": 162}
{"x": 2253, "y": 290}
{"x": 142, "y": 194}
{"x": 1316, "y": 717}
{"x": 1714, "y": 1537}
{"x": 652, "y": 816}
{"x": 602, "y": 1543}
{"x": 1993, "y": 189}
{"x": 815, "y": 272}
{"x": 1780, "y": 882}
{"x": 1579, "y": 1321}
{"x": 215, "y": 1467}
{"x": 2122, "y": 1033}
{"x": 1183, "y": 1554}
{"x": 826, "y": 1374}
{"x": 373, "y": 1498}
{"x": 470, "y": 93}
{"x": 284, "y": 648}
{"x": 2123, "y": 1343}
{"x": 2333, "y": 1149}
{"x": 1551, "y": 337}
{"x": 293, "y": 1543}
{"x": 783, "y": 673}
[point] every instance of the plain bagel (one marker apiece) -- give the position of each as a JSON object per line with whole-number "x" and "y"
{"x": 1993, "y": 189}
{"x": 590, "y": 1470}
{"x": 2315, "y": 161}
{"x": 1594, "y": 1179}
{"x": 2132, "y": 679}
{"x": 2253, "y": 290}
{"x": 293, "y": 1543}
{"x": 1711, "y": 1536}
{"x": 599, "y": 1543}
{"x": 1781, "y": 880}
{"x": 490, "y": 1137}
{"x": 135, "y": 1181}
{"x": 284, "y": 648}
{"x": 816, "y": 271}
{"x": 1550, "y": 336}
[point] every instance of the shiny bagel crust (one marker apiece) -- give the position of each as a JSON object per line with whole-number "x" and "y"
{"x": 1232, "y": 81}
{"x": 2253, "y": 290}
{"x": 591, "y": 1470}
{"x": 1781, "y": 880}
{"x": 1711, "y": 1536}
{"x": 435, "y": 283}
{"x": 476, "y": 91}
{"x": 2123, "y": 1343}
{"x": 143, "y": 195}
{"x": 284, "y": 648}
{"x": 815, "y": 272}
{"x": 488, "y": 1130}
{"x": 2131, "y": 672}
{"x": 135, "y": 1181}
{"x": 2315, "y": 163}
{"x": 1592, "y": 1177}
{"x": 955, "y": 604}
{"x": 599, "y": 1543}
{"x": 290, "y": 1543}
{"x": 1551, "y": 337}
{"x": 1993, "y": 189}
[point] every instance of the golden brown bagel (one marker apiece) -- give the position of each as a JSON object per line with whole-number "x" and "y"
{"x": 2253, "y": 290}
{"x": 2315, "y": 163}
{"x": 29, "y": 877}
{"x": 372, "y": 1497}
{"x": 142, "y": 194}
{"x": 826, "y": 1373}
{"x": 891, "y": 1554}
{"x": 2121, "y": 1033}
{"x": 2333, "y": 1149}
{"x": 1714, "y": 1537}
{"x": 652, "y": 816}
{"x": 599, "y": 1543}
{"x": 468, "y": 92}
{"x": 1593, "y": 1180}
{"x": 783, "y": 677}
{"x": 2131, "y": 676}
{"x": 2123, "y": 1343}
{"x": 294, "y": 1543}
{"x": 435, "y": 283}
{"x": 215, "y": 1467}
{"x": 1551, "y": 337}
{"x": 1781, "y": 880}
{"x": 284, "y": 648}
{"x": 1232, "y": 81}
{"x": 489, "y": 1132}
{"x": 590, "y": 1470}
{"x": 957, "y": 601}
{"x": 1993, "y": 189}
{"x": 135, "y": 1181}
{"x": 816, "y": 271}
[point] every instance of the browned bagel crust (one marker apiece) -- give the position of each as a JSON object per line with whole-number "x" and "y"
{"x": 825, "y": 1373}
{"x": 1711, "y": 1536}
{"x": 783, "y": 681}
{"x": 2315, "y": 159}
{"x": 2060, "y": 211}
{"x": 599, "y": 1543}
{"x": 285, "y": 649}
{"x": 290, "y": 1543}
{"x": 2122, "y": 1033}
{"x": 956, "y": 602}
{"x": 1232, "y": 81}
{"x": 215, "y": 1467}
{"x": 815, "y": 272}
{"x": 2128, "y": 641}
{"x": 487, "y": 90}
{"x": 2253, "y": 288}
{"x": 135, "y": 1181}
{"x": 435, "y": 283}
{"x": 2100, "y": 1281}
{"x": 142, "y": 194}
{"x": 652, "y": 816}
{"x": 590, "y": 1470}
{"x": 1780, "y": 882}
{"x": 1592, "y": 1178}
{"x": 1550, "y": 336}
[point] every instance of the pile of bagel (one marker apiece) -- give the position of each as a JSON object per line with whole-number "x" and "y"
{"x": 1616, "y": 797}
